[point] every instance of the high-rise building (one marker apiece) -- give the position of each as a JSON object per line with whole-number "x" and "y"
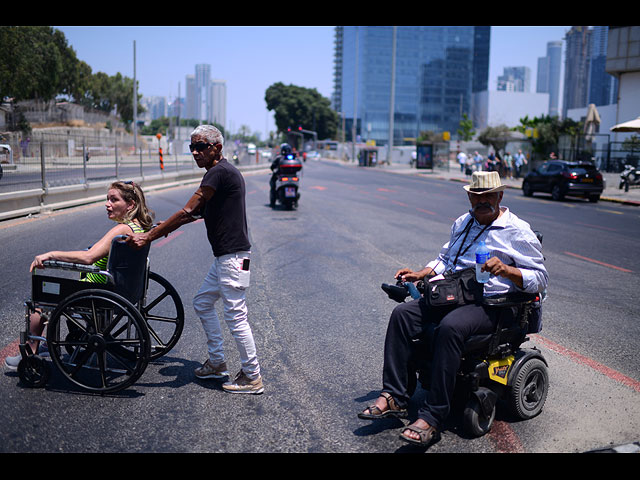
{"x": 515, "y": 79}
{"x": 218, "y": 99}
{"x": 206, "y": 99}
{"x": 548, "y": 78}
{"x": 603, "y": 87}
{"x": 576, "y": 68}
{"x": 436, "y": 71}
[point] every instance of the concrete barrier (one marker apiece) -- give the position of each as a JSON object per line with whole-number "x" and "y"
{"x": 23, "y": 203}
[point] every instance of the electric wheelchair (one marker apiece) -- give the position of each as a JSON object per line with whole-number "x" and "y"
{"x": 101, "y": 337}
{"x": 494, "y": 367}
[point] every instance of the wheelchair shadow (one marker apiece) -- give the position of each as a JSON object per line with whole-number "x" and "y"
{"x": 175, "y": 372}
{"x": 59, "y": 384}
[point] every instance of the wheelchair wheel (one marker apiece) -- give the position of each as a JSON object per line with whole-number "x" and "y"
{"x": 34, "y": 371}
{"x": 529, "y": 389}
{"x": 164, "y": 314}
{"x": 98, "y": 340}
{"x": 476, "y": 422}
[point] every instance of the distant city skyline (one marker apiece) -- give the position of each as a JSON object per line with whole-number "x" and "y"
{"x": 250, "y": 59}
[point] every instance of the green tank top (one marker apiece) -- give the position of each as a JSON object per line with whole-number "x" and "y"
{"x": 102, "y": 263}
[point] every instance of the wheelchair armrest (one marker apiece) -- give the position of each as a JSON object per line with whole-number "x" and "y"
{"x": 511, "y": 299}
{"x": 77, "y": 267}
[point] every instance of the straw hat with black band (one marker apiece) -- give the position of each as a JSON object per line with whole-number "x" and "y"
{"x": 485, "y": 182}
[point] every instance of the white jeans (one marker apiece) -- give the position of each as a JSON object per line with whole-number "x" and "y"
{"x": 225, "y": 281}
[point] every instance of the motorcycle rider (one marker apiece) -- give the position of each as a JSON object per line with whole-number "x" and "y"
{"x": 285, "y": 149}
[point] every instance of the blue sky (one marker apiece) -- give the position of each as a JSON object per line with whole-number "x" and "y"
{"x": 251, "y": 59}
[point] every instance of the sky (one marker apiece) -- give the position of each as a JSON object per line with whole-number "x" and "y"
{"x": 252, "y": 58}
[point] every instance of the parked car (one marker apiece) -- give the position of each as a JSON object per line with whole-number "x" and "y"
{"x": 560, "y": 178}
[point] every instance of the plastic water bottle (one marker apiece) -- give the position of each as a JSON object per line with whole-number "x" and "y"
{"x": 482, "y": 255}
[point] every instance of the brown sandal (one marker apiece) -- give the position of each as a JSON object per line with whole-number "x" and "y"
{"x": 375, "y": 413}
{"x": 427, "y": 435}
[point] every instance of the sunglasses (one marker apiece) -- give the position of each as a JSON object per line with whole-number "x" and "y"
{"x": 199, "y": 147}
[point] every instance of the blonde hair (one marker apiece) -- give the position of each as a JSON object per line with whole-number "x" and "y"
{"x": 141, "y": 213}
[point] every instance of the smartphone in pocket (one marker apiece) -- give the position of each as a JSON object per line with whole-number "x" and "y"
{"x": 245, "y": 275}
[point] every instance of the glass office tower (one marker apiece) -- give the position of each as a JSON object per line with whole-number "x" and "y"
{"x": 437, "y": 69}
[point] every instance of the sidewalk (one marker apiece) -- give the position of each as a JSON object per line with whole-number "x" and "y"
{"x": 611, "y": 192}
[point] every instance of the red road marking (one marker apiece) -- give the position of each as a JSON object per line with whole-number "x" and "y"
{"x": 399, "y": 203}
{"x": 171, "y": 236}
{"x": 597, "y": 226}
{"x": 598, "y": 262}
{"x": 609, "y": 372}
{"x": 386, "y": 190}
{"x": 504, "y": 438}
{"x": 318, "y": 188}
{"x": 9, "y": 351}
{"x": 426, "y": 211}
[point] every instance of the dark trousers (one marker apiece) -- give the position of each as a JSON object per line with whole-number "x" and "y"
{"x": 453, "y": 326}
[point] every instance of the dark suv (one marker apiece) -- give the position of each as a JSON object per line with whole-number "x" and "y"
{"x": 560, "y": 178}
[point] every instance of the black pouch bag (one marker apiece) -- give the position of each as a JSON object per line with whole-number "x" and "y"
{"x": 456, "y": 289}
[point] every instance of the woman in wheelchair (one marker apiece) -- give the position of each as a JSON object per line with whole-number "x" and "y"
{"x": 126, "y": 205}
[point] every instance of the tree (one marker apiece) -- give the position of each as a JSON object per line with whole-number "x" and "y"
{"x": 298, "y": 106}
{"x": 36, "y": 63}
{"x": 497, "y": 137}
{"x": 547, "y": 132}
{"x": 466, "y": 131}
{"x": 30, "y": 63}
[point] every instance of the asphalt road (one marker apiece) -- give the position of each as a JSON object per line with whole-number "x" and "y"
{"x": 319, "y": 318}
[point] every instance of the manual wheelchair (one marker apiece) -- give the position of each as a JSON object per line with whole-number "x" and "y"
{"x": 101, "y": 337}
{"x": 494, "y": 366}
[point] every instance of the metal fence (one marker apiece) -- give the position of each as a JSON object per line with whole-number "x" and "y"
{"x": 606, "y": 155}
{"x": 55, "y": 160}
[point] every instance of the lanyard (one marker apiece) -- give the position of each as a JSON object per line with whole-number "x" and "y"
{"x": 468, "y": 229}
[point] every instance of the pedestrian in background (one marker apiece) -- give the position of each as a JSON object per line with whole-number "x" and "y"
{"x": 462, "y": 160}
{"x": 519, "y": 161}
{"x": 477, "y": 161}
{"x": 508, "y": 165}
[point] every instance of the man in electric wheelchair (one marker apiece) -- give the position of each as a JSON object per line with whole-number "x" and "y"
{"x": 426, "y": 334}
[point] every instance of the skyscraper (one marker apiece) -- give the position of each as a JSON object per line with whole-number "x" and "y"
{"x": 603, "y": 87}
{"x": 436, "y": 70}
{"x": 548, "y": 79}
{"x": 576, "y": 68}
{"x": 206, "y": 99}
{"x": 515, "y": 79}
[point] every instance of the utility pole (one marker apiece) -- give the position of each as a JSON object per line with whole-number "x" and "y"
{"x": 392, "y": 94}
{"x": 135, "y": 100}
{"x": 355, "y": 101}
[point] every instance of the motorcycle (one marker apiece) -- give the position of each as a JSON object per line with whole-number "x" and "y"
{"x": 288, "y": 182}
{"x": 630, "y": 177}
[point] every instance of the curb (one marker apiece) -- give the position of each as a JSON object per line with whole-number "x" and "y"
{"x": 635, "y": 203}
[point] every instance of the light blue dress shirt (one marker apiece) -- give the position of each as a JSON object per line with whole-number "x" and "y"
{"x": 510, "y": 239}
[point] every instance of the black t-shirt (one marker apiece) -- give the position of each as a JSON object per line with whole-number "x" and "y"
{"x": 224, "y": 214}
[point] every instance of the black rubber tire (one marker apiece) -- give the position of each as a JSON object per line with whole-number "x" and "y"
{"x": 164, "y": 315}
{"x": 34, "y": 371}
{"x": 476, "y": 423}
{"x": 107, "y": 337}
{"x": 529, "y": 390}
